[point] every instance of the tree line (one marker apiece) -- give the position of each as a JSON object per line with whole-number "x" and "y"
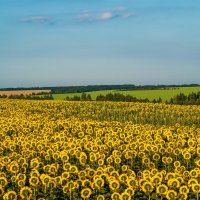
{"x": 90, "y": 88}
{"x": 181, "y": 99}
{"x": 29, "y": 97}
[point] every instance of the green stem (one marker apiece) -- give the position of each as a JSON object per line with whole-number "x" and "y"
{"x": 149, "y": 197}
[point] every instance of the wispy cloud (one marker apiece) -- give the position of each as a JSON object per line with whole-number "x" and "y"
{"x": 127, "y": 15}
{"x": 86, "y": 16}
{"x": 35, "y": 19}
{"x": 106, "y": 16}
{"x": 119, "y": 8}
{"x": 116, "y": 12}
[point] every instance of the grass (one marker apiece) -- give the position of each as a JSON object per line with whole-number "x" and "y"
{"x": 140, "y": 94}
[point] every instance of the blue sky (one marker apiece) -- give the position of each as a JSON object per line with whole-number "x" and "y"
{"x": 81, "y": 42}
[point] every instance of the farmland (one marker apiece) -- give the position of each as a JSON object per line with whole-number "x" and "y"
{"x": 22, "y": 92}
{"x": 165, "y": 94}
{"x": 98, "y": 150}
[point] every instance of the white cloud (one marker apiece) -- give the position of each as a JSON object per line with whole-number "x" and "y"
{"x": 127, "y": 15}
{"x": 106, "y": 16}
{"x": 117, "y": 12}
{"x": 86, "y": 16}
{"x": 35, "y": 19}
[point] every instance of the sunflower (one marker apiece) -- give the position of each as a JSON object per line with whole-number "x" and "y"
{"x": 194, "y": 173}
{"x": 45, "y": 179}
{"x": 34, "y": 181}
{"x": 184, "y": 189}
{"x": 52, "y": 184}
{"x": 66, "y": 166}
{"x": 46, "y": 168}
{"x": 192, "y": 181}
{"x": 11, "y": 195}
{"x": 114, "y": 185}
{"x": 35, "y": 173}
{"x": 1, "y": 191}
{"x": 125, "y": 196}
{"x": 186, "y": 174}
{"x": 65, "y": 175}
{"x": 116, "y": 196}
{"x": 71, "y": 186}
{"x": 124, "y": 168}
{"x": 169, "y": 160}
{"x": 3, "y": 181}
{"x": 114, "y": 174}
{"x": 99, "y": 182}
{"x": 196, "y": 188}
{"x": 34, "y": 163}
{"x": 132, "y": 183}
{"x": 117, "y": 160}
{"x": 82, "y": 174}
{"x": 197, "y": 162}
{"x": 170, "y": 175}
{"x": 25, "y": 192}
{"x": 171, "y": 194}
{"x": 180, "y": 179}
{"x": 101, "y": 162}
{"x": 130, "y": 191}
{"x": 177, "y": 164}
{"x": 123, "y": 178}
{"x": 22, "y": 160}
{"x": 86, "y": 193}
{"x": 100, "y": 197}
{"x": 147, "y": 187}
{"x": 53, "y": 170}
{"x": 162, "y": 189}
{"x": 21, "y": 176}
{"x": 14, "y": 167}
{"x": 156, "y": 157}
{"x": 173, "y": 183}
{"x": 73, "y": 169}
{"x": 21, "y": 183}
{"x": 187, "y": 155}
{"x": 64, "y": 157}
{"x": 156, "y": 180}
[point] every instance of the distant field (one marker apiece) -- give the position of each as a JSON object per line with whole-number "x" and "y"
{"x": 24, "y": 92}
{"x": 141, "y": 94}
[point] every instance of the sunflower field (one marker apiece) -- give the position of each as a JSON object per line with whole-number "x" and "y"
{"x": 98, "y": 150}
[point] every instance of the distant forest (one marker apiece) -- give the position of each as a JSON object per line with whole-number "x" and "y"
{"x": 90, "y": 88}
{"x": 29, "y": 97}
{"x": 180, "y": 99}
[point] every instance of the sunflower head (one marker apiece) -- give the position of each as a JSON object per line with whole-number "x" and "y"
{"x": 34, "y": 181}
{"x": 196, "y": 188}
{"x": 171, "y": 194}
{"x": 1, "y": 191}
{"x": 3, "y": 181}
{"x": 115, "y": 196}
{"x": 184, "y": 189}
{"x": 125, "y": 196}
{"x": 100, "y": 197}
{"x": 147, "y": 187}
{"x": 25, "y": 192}
{"x": 162, "y": 189}
{"x": 11, "y": 195}
{"x": 85, "y": 193}
{"x": 114, "y": 185}
{"x": 99, "y": 182}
